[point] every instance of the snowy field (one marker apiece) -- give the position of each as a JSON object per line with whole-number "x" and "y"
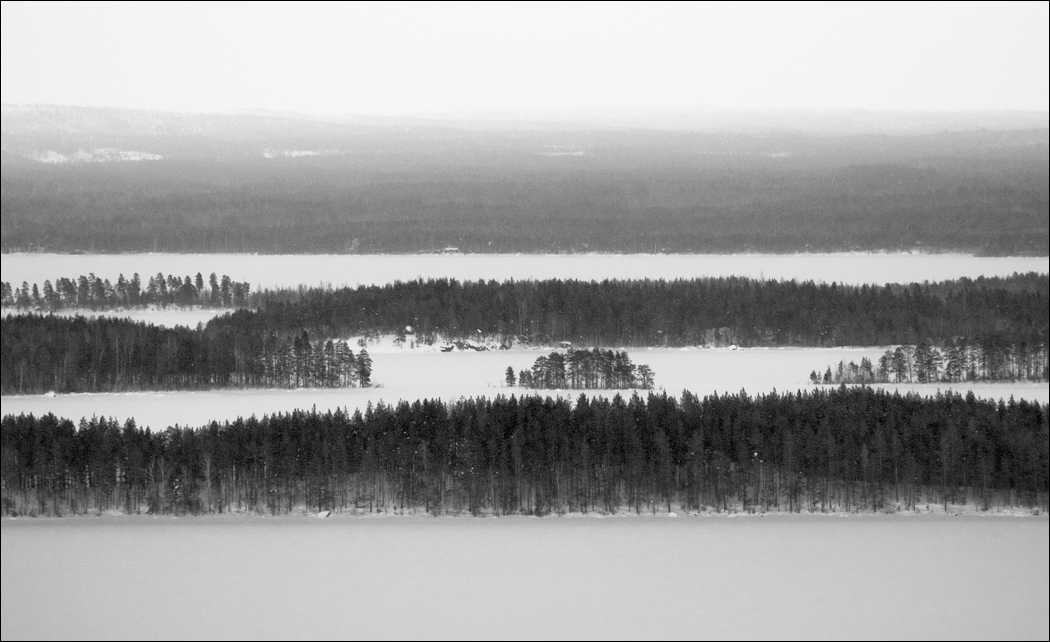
{"x": 411, "y": 375}
{"x": 352, "y": 270}
{"x": 169, "y": 317}
{"x": 695, "y": 577}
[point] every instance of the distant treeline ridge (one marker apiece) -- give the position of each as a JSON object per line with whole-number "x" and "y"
{"x": 286, "y": 186}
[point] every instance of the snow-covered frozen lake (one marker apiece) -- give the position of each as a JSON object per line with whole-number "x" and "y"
{"x": 351, "y": 270}
{"x": 168, "y": 317}
{"x": 411, "y": 375}
{"x": 802, "y": 577}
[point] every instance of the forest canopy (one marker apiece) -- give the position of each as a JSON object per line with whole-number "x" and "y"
{"x": 682, "y": 312}
{"x": 846, "y": 449}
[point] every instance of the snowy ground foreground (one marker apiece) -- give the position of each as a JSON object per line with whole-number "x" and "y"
{"x": 167, "y": 317}
{"x": 411, "y": 375}
{"x": 351, "y": 270}
{"x": 791, "y": 577}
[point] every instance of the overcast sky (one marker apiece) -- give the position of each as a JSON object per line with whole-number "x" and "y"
{"x": 527, "y": 58}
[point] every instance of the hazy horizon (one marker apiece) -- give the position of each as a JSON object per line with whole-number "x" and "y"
{"x": 530, "y": 61}
{"x": 548, "y": 115}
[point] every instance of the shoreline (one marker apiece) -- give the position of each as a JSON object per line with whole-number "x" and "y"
{"x": 932, "y": 512}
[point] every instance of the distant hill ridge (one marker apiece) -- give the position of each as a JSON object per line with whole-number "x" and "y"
{"x": 683, "y": 182}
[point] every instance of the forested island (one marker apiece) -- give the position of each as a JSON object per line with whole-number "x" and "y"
{"x": 79, "y": 179}
{"x": 583, "y": 369}
{"x": 958, "y": 361}
{"x": 684, "y": 312}
{"x": 846, "y": 449}
{"x": 58, "y": 354}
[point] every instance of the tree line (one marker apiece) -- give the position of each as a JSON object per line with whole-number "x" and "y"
{"x": 682, "y": 312}
{"x": 583, "y": 369}
{"x": 39, "y": 354}
{"x": 957, "y": 361}
{"x": 844, "y": 449}
{"x": 94, "y": 293}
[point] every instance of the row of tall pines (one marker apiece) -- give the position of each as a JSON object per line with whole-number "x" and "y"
{"x": 94, "y": 293}
{"x": 845, "y": 449}
{"x": 42, "y": 353}
{"x": 957, "y": 361}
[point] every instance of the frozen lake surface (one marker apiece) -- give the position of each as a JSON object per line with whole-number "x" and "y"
{"x": 264, "y": 271}
{"x": 411, "y": 375}
{"x": 695, "y": 577}
{"x": 168, "y": 317}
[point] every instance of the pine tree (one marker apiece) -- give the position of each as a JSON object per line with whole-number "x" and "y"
{"x": 866, "y": 370}
{"x": 227, "y": 291}
{"x": 135, "y": 289}
{"x": 645, "y": 377}
{"x": 214, "y": 295}
{"x": 51, "y": 298}
{"x": 955, "y": 364}
{"x": 364, "y": 369}
{"x": 899, "y": 366}
{"x": 162, "y": 289}
{"x": 885, "y": 366}
{"x": 23, "y": 299}
{"x": 509, "y": 379}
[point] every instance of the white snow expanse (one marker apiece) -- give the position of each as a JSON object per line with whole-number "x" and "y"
{"x": 414, "y": 374}
{"x": 351, "y": 270}
{"x": 694, "y": 577}
{"x": 168, "y": 317}
{"x": 101, "y": 155}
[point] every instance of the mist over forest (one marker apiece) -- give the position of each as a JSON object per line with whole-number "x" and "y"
{"x": 118, "y": 180}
